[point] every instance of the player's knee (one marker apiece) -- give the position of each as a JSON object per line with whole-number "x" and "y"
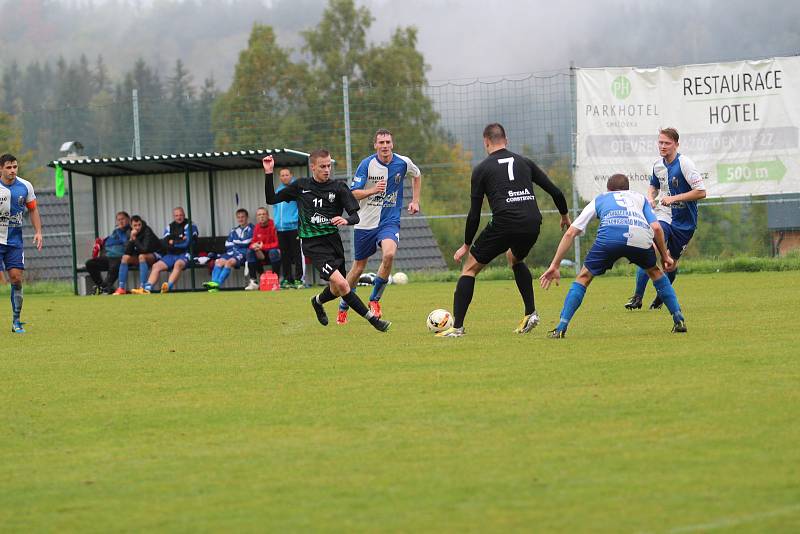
{"x": 654, "y": 272}
{"x": 341, "y": 287}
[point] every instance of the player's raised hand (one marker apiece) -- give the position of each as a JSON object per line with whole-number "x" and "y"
{"x": 565, "y": 222}
{"x": 553, "y": 274}
{"x": 269, "y": 164}
{"x": 462, "y": 250}
{"x": 413, "y": 207}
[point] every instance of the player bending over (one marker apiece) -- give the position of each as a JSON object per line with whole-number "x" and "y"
{"x": 627, "y": 229}
{"x": 321, "y": 202}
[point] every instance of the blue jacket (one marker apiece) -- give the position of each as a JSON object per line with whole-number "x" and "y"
{"x": 115, "y": 243}
{"x": 285, "y": 213}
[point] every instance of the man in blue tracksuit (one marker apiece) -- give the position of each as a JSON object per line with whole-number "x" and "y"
{"x": 285, "y": 215}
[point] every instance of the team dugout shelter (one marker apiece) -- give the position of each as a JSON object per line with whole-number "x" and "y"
{"x": 210, "y": 187}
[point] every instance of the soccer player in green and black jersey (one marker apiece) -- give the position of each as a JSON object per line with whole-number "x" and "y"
{"x": 506, "y": 179}
{"x": 321, "y": 202}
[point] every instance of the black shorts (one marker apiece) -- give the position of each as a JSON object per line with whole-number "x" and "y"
{"x": 493, "y": 242}
{"x": 326, "y": 253}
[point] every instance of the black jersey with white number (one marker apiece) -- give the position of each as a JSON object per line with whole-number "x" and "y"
{"x": 318, "y": 203}
{"x": 507, "y": 181}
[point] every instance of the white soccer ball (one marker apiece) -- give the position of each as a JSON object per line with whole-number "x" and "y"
{"x": 439, "y": 320}
{"x": 400, "y": 278}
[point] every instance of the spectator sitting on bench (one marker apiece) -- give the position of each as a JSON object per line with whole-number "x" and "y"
{"x": 236, "y": 245}
{"x": 110, "y": 256}
{"x": 177, "y": 242}
{"x": 264, "y": 247}
{"x": 142, "y": 249}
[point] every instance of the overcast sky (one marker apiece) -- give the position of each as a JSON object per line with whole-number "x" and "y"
{"x": 475, "y": 38}
{"x": 464, "y": 39}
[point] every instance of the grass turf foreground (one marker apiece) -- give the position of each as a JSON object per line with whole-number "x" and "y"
{"x": 238, "y": 412}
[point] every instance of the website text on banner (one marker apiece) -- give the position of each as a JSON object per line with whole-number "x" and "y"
{"x": 737, "y": 121}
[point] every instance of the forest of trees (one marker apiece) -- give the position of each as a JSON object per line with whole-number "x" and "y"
{"x": 283, "y": 97}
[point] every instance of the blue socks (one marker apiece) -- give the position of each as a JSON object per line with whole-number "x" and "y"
{"x": 123, "y": 275}
{"x": 223, "y": 274}
{"x": 16, "y": 301}
{"x": 571, "y": 305}
{"x": 667, "y": 294}
{"x": 641, "y": 281}
{"x": 144, "y": 273}
{"x": 377, "y": 288}
{"x": 215, "y": 274}
{"x": 672, "y": 275}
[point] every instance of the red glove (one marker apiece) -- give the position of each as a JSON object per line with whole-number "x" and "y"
{"x": 98, "y": 245}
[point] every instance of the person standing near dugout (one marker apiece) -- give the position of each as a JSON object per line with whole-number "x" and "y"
{"x": 321, "y": 202}
{"x": 506, "y": 179}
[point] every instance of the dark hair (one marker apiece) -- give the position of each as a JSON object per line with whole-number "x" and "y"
{"x": 6, "y": 158}
{"x": 381, "y": 131}
{"x": 618, "y": 182}
{"x": 495, "y": 133}
{"x": 284, "y": 169}
{"x": 125, "y": 213}
{"x": 318, "y": 153}
{"x": 136, "y": 218}
{"x": 242, "y": 210}
{"x": 672, "y": 133}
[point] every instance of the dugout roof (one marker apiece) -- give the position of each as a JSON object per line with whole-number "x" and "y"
{"x": 175, "y": 163}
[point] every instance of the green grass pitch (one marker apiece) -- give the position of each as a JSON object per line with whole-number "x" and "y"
{"x": 238, "y": 412}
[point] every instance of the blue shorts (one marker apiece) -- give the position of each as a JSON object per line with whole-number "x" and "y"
{"x": 238, "y": 256}
{"x": 602, "y": 257}
{"x": 12, "y": 257}
{"x": 170, "y": 259}
{"x": 367, "y": 241}
{"x": 677, "y": 240}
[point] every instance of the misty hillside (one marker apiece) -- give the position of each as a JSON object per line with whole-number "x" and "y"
{"x": 207, "y": 35}
{"x": 459, "y": 39}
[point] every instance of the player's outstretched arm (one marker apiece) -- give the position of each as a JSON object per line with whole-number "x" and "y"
{"x": 552, "y": 274}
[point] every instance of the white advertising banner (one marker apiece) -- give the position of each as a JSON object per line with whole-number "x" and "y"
{"x": 737, "y": 121}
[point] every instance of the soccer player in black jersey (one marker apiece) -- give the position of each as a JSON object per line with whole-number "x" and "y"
{"x": 506, "y": 179}
{"x": 320, "y": 203}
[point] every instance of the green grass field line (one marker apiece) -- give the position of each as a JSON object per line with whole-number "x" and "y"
{"x": 238, "y": 412}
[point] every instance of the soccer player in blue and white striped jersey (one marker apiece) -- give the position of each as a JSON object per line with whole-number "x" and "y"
{"x": 16, "y": 195}
{"x": 628, "y": 229}
{"x": 378, "y": 186}
{"x": 682, "y": 186}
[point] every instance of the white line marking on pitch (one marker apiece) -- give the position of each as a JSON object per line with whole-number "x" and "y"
{"x": 733, "y": 521}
